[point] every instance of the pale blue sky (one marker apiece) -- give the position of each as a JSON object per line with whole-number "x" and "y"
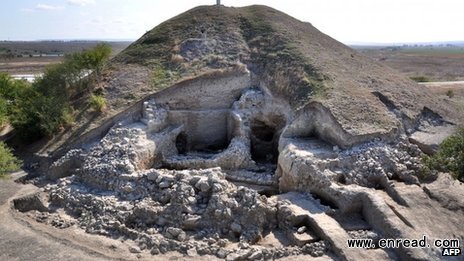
{"x": 345, "y": 20}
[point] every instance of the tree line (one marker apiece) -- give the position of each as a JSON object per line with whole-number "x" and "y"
{"x": 41, "y": 108}
{"x": 44, "y": 107}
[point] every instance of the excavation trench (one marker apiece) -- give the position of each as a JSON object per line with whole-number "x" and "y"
{"x": 264, "y": 142}
{"x": 204, "y": 130}
{"x": 247, "y": 141}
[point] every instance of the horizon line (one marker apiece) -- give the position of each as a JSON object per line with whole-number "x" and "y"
{"x": 359, "y": 43}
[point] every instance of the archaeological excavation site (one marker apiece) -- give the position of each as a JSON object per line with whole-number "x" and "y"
{"x": 245, "y": 134}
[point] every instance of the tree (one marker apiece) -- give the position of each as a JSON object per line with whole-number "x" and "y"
{"x": 93, "y": 59}
{"x": 9, "y": 87}
{"x": 98, "y": 56}
{"x": 26, "y": 114}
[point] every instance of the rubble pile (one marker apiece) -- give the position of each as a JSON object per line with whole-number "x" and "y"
{"x": 370, "y": 163}
{"x": 175, "y": 210}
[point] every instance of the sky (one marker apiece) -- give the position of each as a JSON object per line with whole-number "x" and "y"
{"x": 349, "y": 21}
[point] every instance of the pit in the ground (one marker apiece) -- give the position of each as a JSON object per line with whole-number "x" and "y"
{"x": 186, "y": 144}
{"x": 265, "y": 141}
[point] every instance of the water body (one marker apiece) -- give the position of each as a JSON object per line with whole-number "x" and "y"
{"x": 27, "y": 77}
{"x": 32, "y": 77}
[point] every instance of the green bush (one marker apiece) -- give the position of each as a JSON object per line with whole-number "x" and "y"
{"x": 8, "y": 162}
{"x": 93, "y": 59}
{"x": 10, "y": 90}
{"x": 98, "y": 103}
{"x": 450, "y": 156}
{"x": 34, "y": 115}
{"x": 97, "y": 57}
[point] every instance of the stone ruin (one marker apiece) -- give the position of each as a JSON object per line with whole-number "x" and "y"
{"x": 222, "y": 167}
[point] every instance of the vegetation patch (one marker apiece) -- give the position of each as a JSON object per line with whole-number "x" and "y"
{"x": 450, "y": 156}
{"x": 156, "y": 43}
{"x": 420, "y": 78}
{"x": 256, "y": 26}
{"x": 3, "y": 112}
{"x": 98, "y": 103}
{"x": 162, "y": 77}
{"x": 8, "y": 162}
{"x": 45, "y": 107}
{"x": 274, "y": 55}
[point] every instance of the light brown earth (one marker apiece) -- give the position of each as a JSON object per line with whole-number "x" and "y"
{"x": 26, "y": 65}
{"x": 443, "y": 90}
{"x": 435, "y": 63}
{"x": 19, "y": 61}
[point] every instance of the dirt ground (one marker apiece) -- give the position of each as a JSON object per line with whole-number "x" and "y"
{"x": 435, "y": 64}
{"x": 443, "y": 88}
{"x": 451, "y": 92}
{"x": 444, "y": 67}
{"x": 26, "y": 65}
{"x": 24, "y": 56}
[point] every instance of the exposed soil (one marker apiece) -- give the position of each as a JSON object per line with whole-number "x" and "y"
{"x": 18, "y": 57}
{"x": 27, "y": 65}
{"x": 450, "y": 92}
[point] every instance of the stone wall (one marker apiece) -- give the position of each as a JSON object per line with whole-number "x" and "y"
{"x": 208, "y": 92}
{"x": 207, "y": 129}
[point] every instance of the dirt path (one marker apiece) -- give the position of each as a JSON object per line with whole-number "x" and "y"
{"x": 443, "y": 84}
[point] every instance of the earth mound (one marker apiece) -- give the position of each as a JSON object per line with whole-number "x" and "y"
{"x": 245, "y": 134}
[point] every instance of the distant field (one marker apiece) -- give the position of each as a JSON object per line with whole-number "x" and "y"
{"x": 437, "y": 63}
{"x": 437, "y": 51}
{"x": 34, "y": 57}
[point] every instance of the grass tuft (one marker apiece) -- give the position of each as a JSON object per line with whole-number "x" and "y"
{"x": 98, "y": 103}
